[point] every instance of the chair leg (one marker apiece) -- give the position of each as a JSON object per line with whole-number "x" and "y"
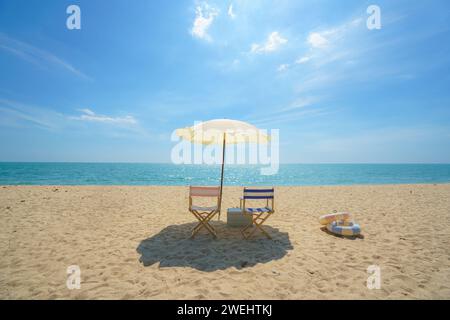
{"x": 199, "y": 225}
{"x": 206, "y": 226}
{"x": 262, "y": 230}
{"x": 257, "y": 226}
{"x": 244, "y": 230}
{"x": 208, "y": 218}
{"x": 254, "y": 218}
{"x": 203, "y": 223}
{"x": 247, "y": 236}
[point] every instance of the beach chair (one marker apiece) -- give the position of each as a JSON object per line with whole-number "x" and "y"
{"x": 204, "y": 214}
{"x": 260, "y": 214}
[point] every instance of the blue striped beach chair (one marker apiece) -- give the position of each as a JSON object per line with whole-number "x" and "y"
{"x": 259, "y": 214}
{"x": 204, "y": 214}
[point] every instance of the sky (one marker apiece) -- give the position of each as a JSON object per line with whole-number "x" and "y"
{"x": 116, "y": 89}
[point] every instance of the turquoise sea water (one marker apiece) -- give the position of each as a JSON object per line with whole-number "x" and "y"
{"x": 170, "y": 174}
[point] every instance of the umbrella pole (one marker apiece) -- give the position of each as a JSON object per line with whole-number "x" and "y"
{"x": 221, "y": 176}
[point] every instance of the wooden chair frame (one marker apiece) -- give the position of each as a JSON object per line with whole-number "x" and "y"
{"x": 204, "y": 216}
{"x": 258, "y": 218}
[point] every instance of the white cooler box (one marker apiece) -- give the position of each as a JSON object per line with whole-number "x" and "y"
{"x": 235, "y": 218}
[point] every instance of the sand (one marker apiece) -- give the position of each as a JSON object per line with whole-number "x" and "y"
{"x": 133, "y": 243}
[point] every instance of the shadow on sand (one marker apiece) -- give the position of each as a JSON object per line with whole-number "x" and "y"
{"x": 172, "y": 247}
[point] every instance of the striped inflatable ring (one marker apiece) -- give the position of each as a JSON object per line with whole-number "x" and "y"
{"x": 328, "y": 218}
{"x": 344, "y": 228}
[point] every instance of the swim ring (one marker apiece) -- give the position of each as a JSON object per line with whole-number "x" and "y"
{"x": 328, "y": 218}
{"x": 344, "y": 228}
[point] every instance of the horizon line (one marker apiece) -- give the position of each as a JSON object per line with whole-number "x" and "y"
{"x": 218, "y": 164}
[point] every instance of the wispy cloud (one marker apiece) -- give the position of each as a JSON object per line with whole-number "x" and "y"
{"x": 289, "y": 117}
{"x": 386, "y": 144}
{"x": 302, "y": 60}
{"x": 323, "y": 46}
{"x": 349, "y": 50}
{"x": 231, "y": 13}
{"x": 14, "y": 113}
{"x": 317, "y": 40}
{"x": 274, "y": 42}
{"x": 37, "y": 56}
{"x": 89, "y": 115}
{"x": 321, "y": 39}
{"x": 204, "y": 17}
{"x": 23, "y": 115}
{"x": 283, "y": 67}
{"x": 326, "y": 46}
{"x": 300, "y": 103}
{"x": 298, "y": 109}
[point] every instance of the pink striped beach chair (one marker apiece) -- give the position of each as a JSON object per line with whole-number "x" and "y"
{"x": 204, "y": 214}
{"x": 259, "y": 214}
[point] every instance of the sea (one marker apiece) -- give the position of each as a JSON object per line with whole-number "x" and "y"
{"x": 141, "y": 174}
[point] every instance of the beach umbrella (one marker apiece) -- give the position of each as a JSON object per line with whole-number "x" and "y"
{"x": 222, "y": 132}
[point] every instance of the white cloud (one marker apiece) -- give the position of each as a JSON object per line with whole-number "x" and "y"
{"x": 274, "y": 42}
{"x": 231, "y": 13}
{"x": 317, "y": 40}
{"x": 37, "y": 56}
{"x": 300, "y": 103}
{"x": 300, "y": 108}
{"x": 283, "y": 67}
{"x": 88, "y": 112}
{"x": 204, "y": 17}
{"x": 13, "y": 113}
{"x": 326, "y": 37}
{"x": 20, "y": 115}
{"x": 289, "y": 117}
{"x": 89, "y": 115}
{"x": 302, "y": 60}
{"x": 356, "y": 22}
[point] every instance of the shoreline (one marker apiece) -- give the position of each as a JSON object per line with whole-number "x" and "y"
{"x": 226, "y": 186}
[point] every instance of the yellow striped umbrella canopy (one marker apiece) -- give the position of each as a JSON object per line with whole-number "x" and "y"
{"x": 214, "y": 132}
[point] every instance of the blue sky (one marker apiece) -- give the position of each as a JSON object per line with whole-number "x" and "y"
{"x": 116, "y": 89}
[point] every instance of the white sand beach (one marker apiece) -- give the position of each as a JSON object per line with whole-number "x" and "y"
{"x": 133, "y": 243}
